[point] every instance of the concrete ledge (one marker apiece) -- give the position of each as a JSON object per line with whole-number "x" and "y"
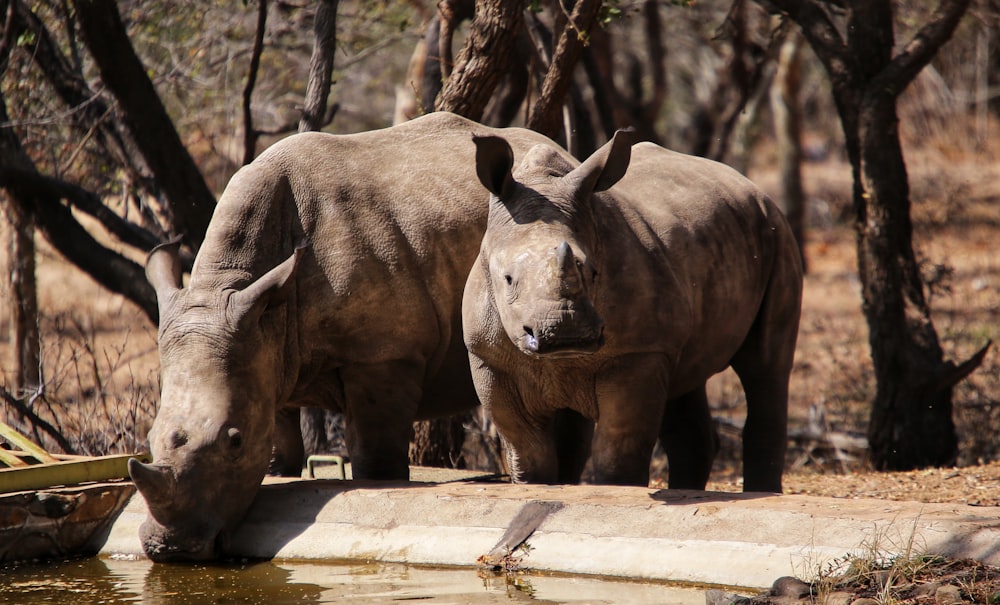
{"x": 746, "y": 540}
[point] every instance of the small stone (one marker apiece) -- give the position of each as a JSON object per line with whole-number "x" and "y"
{"x": 715, "y": 596}
{"x": 787, "y": 586}
{"x": 836, "y": 598}
{"x": 882, "y": 577}
{"x": 948, "y": 595}
{"x": 864, "y": 601}
{"x": 926, "y": 590}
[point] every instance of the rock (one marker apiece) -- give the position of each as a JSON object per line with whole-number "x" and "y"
{"x": 787, "y": 586}
{"x": 926, "y": 590}
{"x": 865, "y": 601}
{"x": 836, "y": 598}
{"x": 715, "y": 596}
{"x": 948, "y": 595}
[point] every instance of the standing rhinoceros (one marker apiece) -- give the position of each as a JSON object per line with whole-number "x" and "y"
{"x": 331, "y": 275}
{"x": 613, "y": 290}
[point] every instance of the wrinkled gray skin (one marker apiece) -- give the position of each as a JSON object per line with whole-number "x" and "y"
{"x": 614, "y": 289}
{"x": 331, "y": 275}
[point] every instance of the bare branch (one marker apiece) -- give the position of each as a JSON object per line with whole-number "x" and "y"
{"x": 922, "y": 48}
{"x": 819, "y": 30}
{"x": 547, "y": 109}
{"x": 249, "y": 134}
{"x": 191, "y": 201}
{"x": 87, "y": 201}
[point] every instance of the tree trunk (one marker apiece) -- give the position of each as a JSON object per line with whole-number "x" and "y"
{"x": 439, "y": 442}
{"x": 20, "y": 296}
{"x": 19, "y": 291}
{"x": 487, "y": 56}
{"x": 191, "y": 202}
{"x": 911, "y": 420}
{"x": 788, "y": 134}
{"x": 320, "y": 67}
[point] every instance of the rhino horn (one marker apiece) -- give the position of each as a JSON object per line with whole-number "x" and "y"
{"x": 271, "y": 289}
{"x": 604, "y": 167}
{"x": 570, "y": 283}
{"x": 155, "y": 482}
{"x": 494, "y": 161}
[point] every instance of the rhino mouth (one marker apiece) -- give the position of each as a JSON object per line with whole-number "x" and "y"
{"x": 560, "y": 346}
{"x": 163, "y": 546}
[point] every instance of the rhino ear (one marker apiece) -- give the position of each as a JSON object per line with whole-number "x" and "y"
{"x": 606, "y": 166}
{"x": 494, "y": 160}
{"x": 163, "y": 271}
{"x": 271, "y": 289}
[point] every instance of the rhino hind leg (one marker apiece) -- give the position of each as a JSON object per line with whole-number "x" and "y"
{"x": 764, "y": 365}
{"x": 690, "y": 440}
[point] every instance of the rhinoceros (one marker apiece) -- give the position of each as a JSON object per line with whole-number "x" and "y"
{"x": 611, "y": 291}
{"x": 331, "y": 275}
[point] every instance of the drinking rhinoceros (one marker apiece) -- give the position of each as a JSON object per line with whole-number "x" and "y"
{"x": 614, "y": 289}
{"x": 331, "y": 275}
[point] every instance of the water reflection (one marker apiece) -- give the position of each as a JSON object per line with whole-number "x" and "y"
{"x": 115, "y": 582}
{"x": 262, "y": 582}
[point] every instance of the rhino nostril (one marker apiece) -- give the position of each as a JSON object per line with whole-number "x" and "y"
{"x": 178, "y": 439}
{"x": 529, "y": 339}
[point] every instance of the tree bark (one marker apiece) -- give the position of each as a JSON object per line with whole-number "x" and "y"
{"x": 19, "y": 290}
{"x": 911, "y": 422}
{"x": 320, "y": 67}
{"x": 487, "y": 56}
{"x": 191, "y": 202}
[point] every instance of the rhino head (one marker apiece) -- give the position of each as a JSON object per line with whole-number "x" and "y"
{"x": 541, "y": 241}
{"x": 211, "y": 439}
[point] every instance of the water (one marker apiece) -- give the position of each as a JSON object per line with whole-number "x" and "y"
{"x": 115, "y": 581}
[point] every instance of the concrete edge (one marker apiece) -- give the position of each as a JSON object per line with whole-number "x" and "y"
{"x": 745, "y": 540}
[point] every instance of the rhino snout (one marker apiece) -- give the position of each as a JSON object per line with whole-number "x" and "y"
{"x": 563, "y": 339}
{"x": 163, "y": 545}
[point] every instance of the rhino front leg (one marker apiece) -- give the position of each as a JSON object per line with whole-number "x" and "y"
{"x": 528, "y": 438}
{"x": 380, "y": 406}
{"x": 631, "y": 402}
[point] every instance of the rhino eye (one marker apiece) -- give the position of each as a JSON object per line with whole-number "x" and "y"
{"x": 507, "y": 278}
{"x": 235, "y": 438}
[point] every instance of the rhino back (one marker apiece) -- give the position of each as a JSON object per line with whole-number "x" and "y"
{"x": 392, "y": 218}
{"x": 697, "y": 241}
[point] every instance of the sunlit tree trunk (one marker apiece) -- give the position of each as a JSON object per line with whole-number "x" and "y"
{"x": 486, "y": 58}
